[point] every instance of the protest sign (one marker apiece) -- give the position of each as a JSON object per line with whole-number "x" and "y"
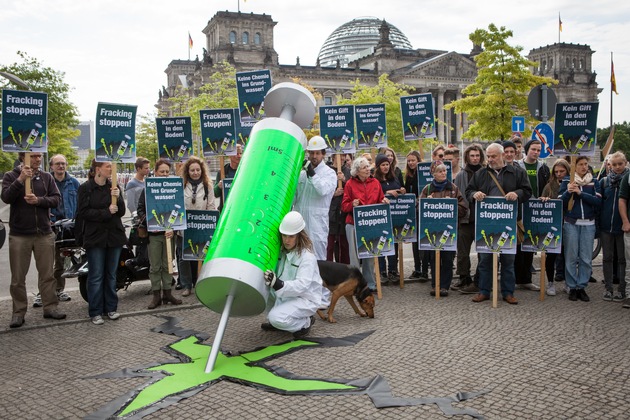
{"x": 438, "y": 224}
{"x": 24, "y": 121}
{"x": 165, "y": 204}
{"x": 200, "y": 226}
{"x": 403, "y": 211}
{"x": 218, "y": 132}
{"x": 373, "y": 230}
{"x": 543, "y": 226}
{"x": 371, "y": 126}
{"x": 251, "y": 87}
{"x": 174, "y": 136}
{"x": 417, "y": 116}
{"x": 227, "y": 185}
{"x": 495, "y": 225}
{"x": 115, "y": 133}
{"x": 336, "y": 126}
{"x": 575, "y": 129}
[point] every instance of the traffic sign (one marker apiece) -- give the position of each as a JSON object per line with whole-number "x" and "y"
{"x": 542, "y": 100}
{"x": 544, "y": 133}
{"x": 518, "y": 124}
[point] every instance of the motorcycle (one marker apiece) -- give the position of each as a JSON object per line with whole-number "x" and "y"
{"x": 76, "y": 265}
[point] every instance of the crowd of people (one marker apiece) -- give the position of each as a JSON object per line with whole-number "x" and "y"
{"x": 322, "y": 226}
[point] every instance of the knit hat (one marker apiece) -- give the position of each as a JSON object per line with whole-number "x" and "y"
{"x": 507, "y": 144}
{"x": 529, "y": 143}
{"x": 380, "y": 158}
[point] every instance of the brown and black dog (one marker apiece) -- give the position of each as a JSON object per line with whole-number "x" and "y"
{"x": 345, "y": 280}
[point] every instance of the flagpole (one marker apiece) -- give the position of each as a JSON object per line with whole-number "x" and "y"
{"x": 611, "y": 90}
{"x": 559, "y": 27}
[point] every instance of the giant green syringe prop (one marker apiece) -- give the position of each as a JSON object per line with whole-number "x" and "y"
{"x": 246, "y": 241}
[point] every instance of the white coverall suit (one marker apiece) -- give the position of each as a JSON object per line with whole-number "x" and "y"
{"x": 301, "y": 295}
{"x": 313, "y": 203}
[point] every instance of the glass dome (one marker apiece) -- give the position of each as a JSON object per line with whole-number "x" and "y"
{"x": 357, "y": 38}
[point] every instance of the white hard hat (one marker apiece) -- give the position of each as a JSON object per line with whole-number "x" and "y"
{"x": 316, "y": 143}
{"x": 292, "y": 224}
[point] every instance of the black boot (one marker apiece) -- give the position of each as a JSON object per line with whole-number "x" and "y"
{"x": 169, "y": 298}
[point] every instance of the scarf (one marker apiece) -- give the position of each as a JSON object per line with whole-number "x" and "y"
{"x": 439, "y": 186}
{"x": 588, "y": 178}
{"x": 615, "y": 178}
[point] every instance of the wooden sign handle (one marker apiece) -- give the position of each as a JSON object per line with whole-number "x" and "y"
{"x": 28, "y": 183}
{"x": 114, "y": 182}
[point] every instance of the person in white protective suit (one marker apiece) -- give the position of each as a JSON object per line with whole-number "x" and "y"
{"x": 315, "y": 190}
{"x": 297, "y": 287}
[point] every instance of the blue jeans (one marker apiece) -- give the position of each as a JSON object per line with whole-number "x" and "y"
{"x": 578, "y": 254}
{"x": 101, "y": 281}
{"x": 508, "y": 278}
{"x": 366, "y": 264}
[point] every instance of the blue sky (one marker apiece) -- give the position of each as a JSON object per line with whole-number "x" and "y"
{"x": 117, "y": 51}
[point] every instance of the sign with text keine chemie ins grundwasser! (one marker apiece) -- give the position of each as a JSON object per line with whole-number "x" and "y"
{"x": 24, "y": 121}
{"x": 438, "y": 224}
{"x": 165, "y": 203}
{"x": 575, "y": 129}
{"x": 174, "y": 136}
{"x": 495, "y": 225}
{"x": 115, "y": 133}
{"x": 336, "y": 126}
{"x": 200, "y": 226}
{"x": 252, "y": 87}
{"x": 373, "y": 230}
{"x": 403, "y": 211}
{"x": 543, "y": 226}
{"x": 371, "y": 126}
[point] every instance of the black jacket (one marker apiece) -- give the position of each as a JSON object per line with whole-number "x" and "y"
{"x": 101, "y": 228}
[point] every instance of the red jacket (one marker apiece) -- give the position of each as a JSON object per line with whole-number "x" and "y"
{"x": 368, "y": 192}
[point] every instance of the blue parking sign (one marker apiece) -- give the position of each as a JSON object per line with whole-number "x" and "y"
{"x": 518, "y": 124}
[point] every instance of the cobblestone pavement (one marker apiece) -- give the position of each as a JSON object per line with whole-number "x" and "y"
{"x": 553, "y": 359}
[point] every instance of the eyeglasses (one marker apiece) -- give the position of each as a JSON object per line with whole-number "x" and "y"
{"x": 440, "y": 156}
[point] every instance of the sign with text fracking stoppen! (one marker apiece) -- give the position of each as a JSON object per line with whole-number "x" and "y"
{"x": 371, "y": 126}
{"x": 174, "y": 137}
{"x": 200, "y": 226}
{"x": 218, "y": 132}
{"x": 165, "y": 204}
{"x": 575, "y": 129}
{"x": 403, "y": 211}
{"x": 373, "y": 230}
{"x": 424, "y": 173}
{"x": 115, "y": 133}
{"x": 495, "y": 225}
{"x": 252, "y": 86}
{"x": 543, "y": 226}
{"x": 24, "y": 121}
{"x": 418, "y": 119}
{"x": 336, "y": 126}
{"x": 438, "y": 224}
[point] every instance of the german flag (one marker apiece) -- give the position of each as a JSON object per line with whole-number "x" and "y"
{"x": 190, "y": 43}
{"x": 613, "y": 81}
{"x": 559, "y": 23}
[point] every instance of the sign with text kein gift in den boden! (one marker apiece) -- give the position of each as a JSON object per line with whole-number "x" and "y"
{"x": 174, "y": 135}
{"x": 165, "y": 204}
{"x": 418, "y": 119}
{"x": 336, "y": 126}
{"x": 24, "y": 121}
{"x": 495, "y": 225}
{"x": 576, "y": 129}
{"x": 115, "y": 133}
{"x": 200, "y": 226}
{"x": 403, "y": 211}
{"x": 373, "y": 230}
{"x": 371, "y": 126}
{"x": 438, "y": 224}
{"x": 543, "y": 226}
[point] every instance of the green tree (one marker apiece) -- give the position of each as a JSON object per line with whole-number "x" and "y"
{"x": 62, "y": 114}
{"x": 501, "y": 87}
{"x": 621, "y": 136}
{"x": 388, "y": 93}
{"x": 146, "y": 138}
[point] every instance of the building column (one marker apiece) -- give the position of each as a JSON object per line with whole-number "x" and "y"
{"x": 440, "y": 115}
{"x": 459, "y": 121}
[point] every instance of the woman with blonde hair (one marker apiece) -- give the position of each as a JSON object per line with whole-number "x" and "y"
{"x": 198, "y": 195}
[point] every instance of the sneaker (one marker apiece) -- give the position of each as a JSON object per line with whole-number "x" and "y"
{"x": 608, "y": 296}
{"x": 567, "y": 289}
{"x": 268, "y": 327}
{"x": 470, "y": 289}
{"x": 551, "y": 290}
{"x": 394, "y": 275}
{"x": 62, "y": 296}
{"x": 529, "y": 286}
{"x": 581, "y": 294}
{"x": 573, "y": 295}
{"x": 304, "y": 331}
{"x": 37, "y": 302}
{"x": 415, "y": 275}
{"x": 113, "y": 315}
{"x": 618, "y": 297}
{"x": 97, "y": 320}
{"x": 558, "y": 278}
